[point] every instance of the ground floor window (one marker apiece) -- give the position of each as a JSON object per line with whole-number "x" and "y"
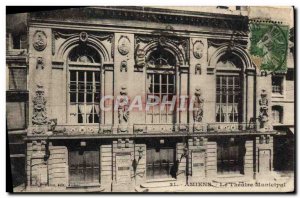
{"x": 230, "y": 156}
{"x": 160, "y": 162}
{"x": 83, "y": 167}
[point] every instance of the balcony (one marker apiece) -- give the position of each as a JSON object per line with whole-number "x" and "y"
{"x": 230, "y": 127}
{"x": 160, "y": 128}
{"x": 140, "y": 129}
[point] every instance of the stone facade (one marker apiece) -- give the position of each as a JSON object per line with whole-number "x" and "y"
{"x": 124, "y": 41}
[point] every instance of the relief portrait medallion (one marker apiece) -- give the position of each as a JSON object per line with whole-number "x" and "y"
{"x": 123, "y": 45}
{"x": 198, "y": 49}
{"x": 39, "y": 40}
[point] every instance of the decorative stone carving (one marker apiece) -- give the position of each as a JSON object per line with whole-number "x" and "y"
{"x": 123, "y": 66}
{"x": 123, "y": 45}
{"x": 39, "y": 116}
{"x": 179, "y": 45}
{"x": 83, "y": 37}
{"x": 199, "y": 127}
{"x": 198, "y": 49}
{"x": 123, "y": 112}
{"x": 198, "y": 106}
{"x": 198, "y": 69}
{"x": 263, "y": 110}
{"x": 139, "y": 57}
{"x": 39, "y": 40}
{"x": 52, "y": 124}
{"x": 106, "y": 129}
{"x": 183, "y": 128}
{"x": 39, "y": 129}
{"x": 39, "y": 63}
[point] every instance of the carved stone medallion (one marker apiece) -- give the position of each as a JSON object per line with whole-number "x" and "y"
{"x": 39, "y": 40}
{"x": 198, "y": 49}
{"x": 123, "y": 45}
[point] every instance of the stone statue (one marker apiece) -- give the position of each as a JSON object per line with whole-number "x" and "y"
{"x": 198, "y": 106}
{"x": 39, "y": 116}
{"x": 123, "y": 106}
{"x": 263, "y": 111}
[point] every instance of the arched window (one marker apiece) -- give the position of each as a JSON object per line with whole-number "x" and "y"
{"x": 229, "y": 89}
{"x": 84, "y": 85}
{"x": 161, "y": 82}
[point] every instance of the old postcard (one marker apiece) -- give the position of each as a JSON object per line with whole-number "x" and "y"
{"x": 151, "y": 99}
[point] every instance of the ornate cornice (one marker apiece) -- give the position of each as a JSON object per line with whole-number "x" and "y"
{"x": 223, "y": 21}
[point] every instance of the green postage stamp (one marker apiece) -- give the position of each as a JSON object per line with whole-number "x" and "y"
{"x": 269, "y": 45}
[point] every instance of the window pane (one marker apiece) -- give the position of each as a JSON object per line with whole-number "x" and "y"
{"x": 89, "y": 97}
{"x": 15, "y": 115}
{"x": 96, "y": 97}
{"x": 163, "y": 91}
{"x": 89, "y": 87}
{"x": 73, "y": 87}
{"x": 164, "y": 79}
{"x": 171, "y": 79}
{"x": 156, "y": 78}
{"x": 81, "y": 97}
{"x": 227, "y": 96}
{"x": 171, "y": 89}
{"x": 85, "y": 94}
{"x": 97, "y": 76}
{"x": 277, "y": 82}
{"x": 156, "y": 88}
{"x": 81, "y": 76}
{"x": 89, "y": 76}
{"x": 73, "y": 75}
{"x": 73, "y": 97}
{"x": 17, "y": 78}
{"x": 81, "y": 86}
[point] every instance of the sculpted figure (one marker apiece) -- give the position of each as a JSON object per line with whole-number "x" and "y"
{"x": 198, "y": 106}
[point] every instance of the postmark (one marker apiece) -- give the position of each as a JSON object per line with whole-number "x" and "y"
{"x": 269, "y": 45}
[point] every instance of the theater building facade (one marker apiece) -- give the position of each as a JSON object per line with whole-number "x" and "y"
{"x": 75, "y": 140}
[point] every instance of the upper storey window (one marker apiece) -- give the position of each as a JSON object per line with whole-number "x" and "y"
{"x": 228, "y": 90}
{"x": 84, "y": 85}
{"x": 161, "y": 83}
{"x": 277, "y": 84}
{"x": 17, "y": 78}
